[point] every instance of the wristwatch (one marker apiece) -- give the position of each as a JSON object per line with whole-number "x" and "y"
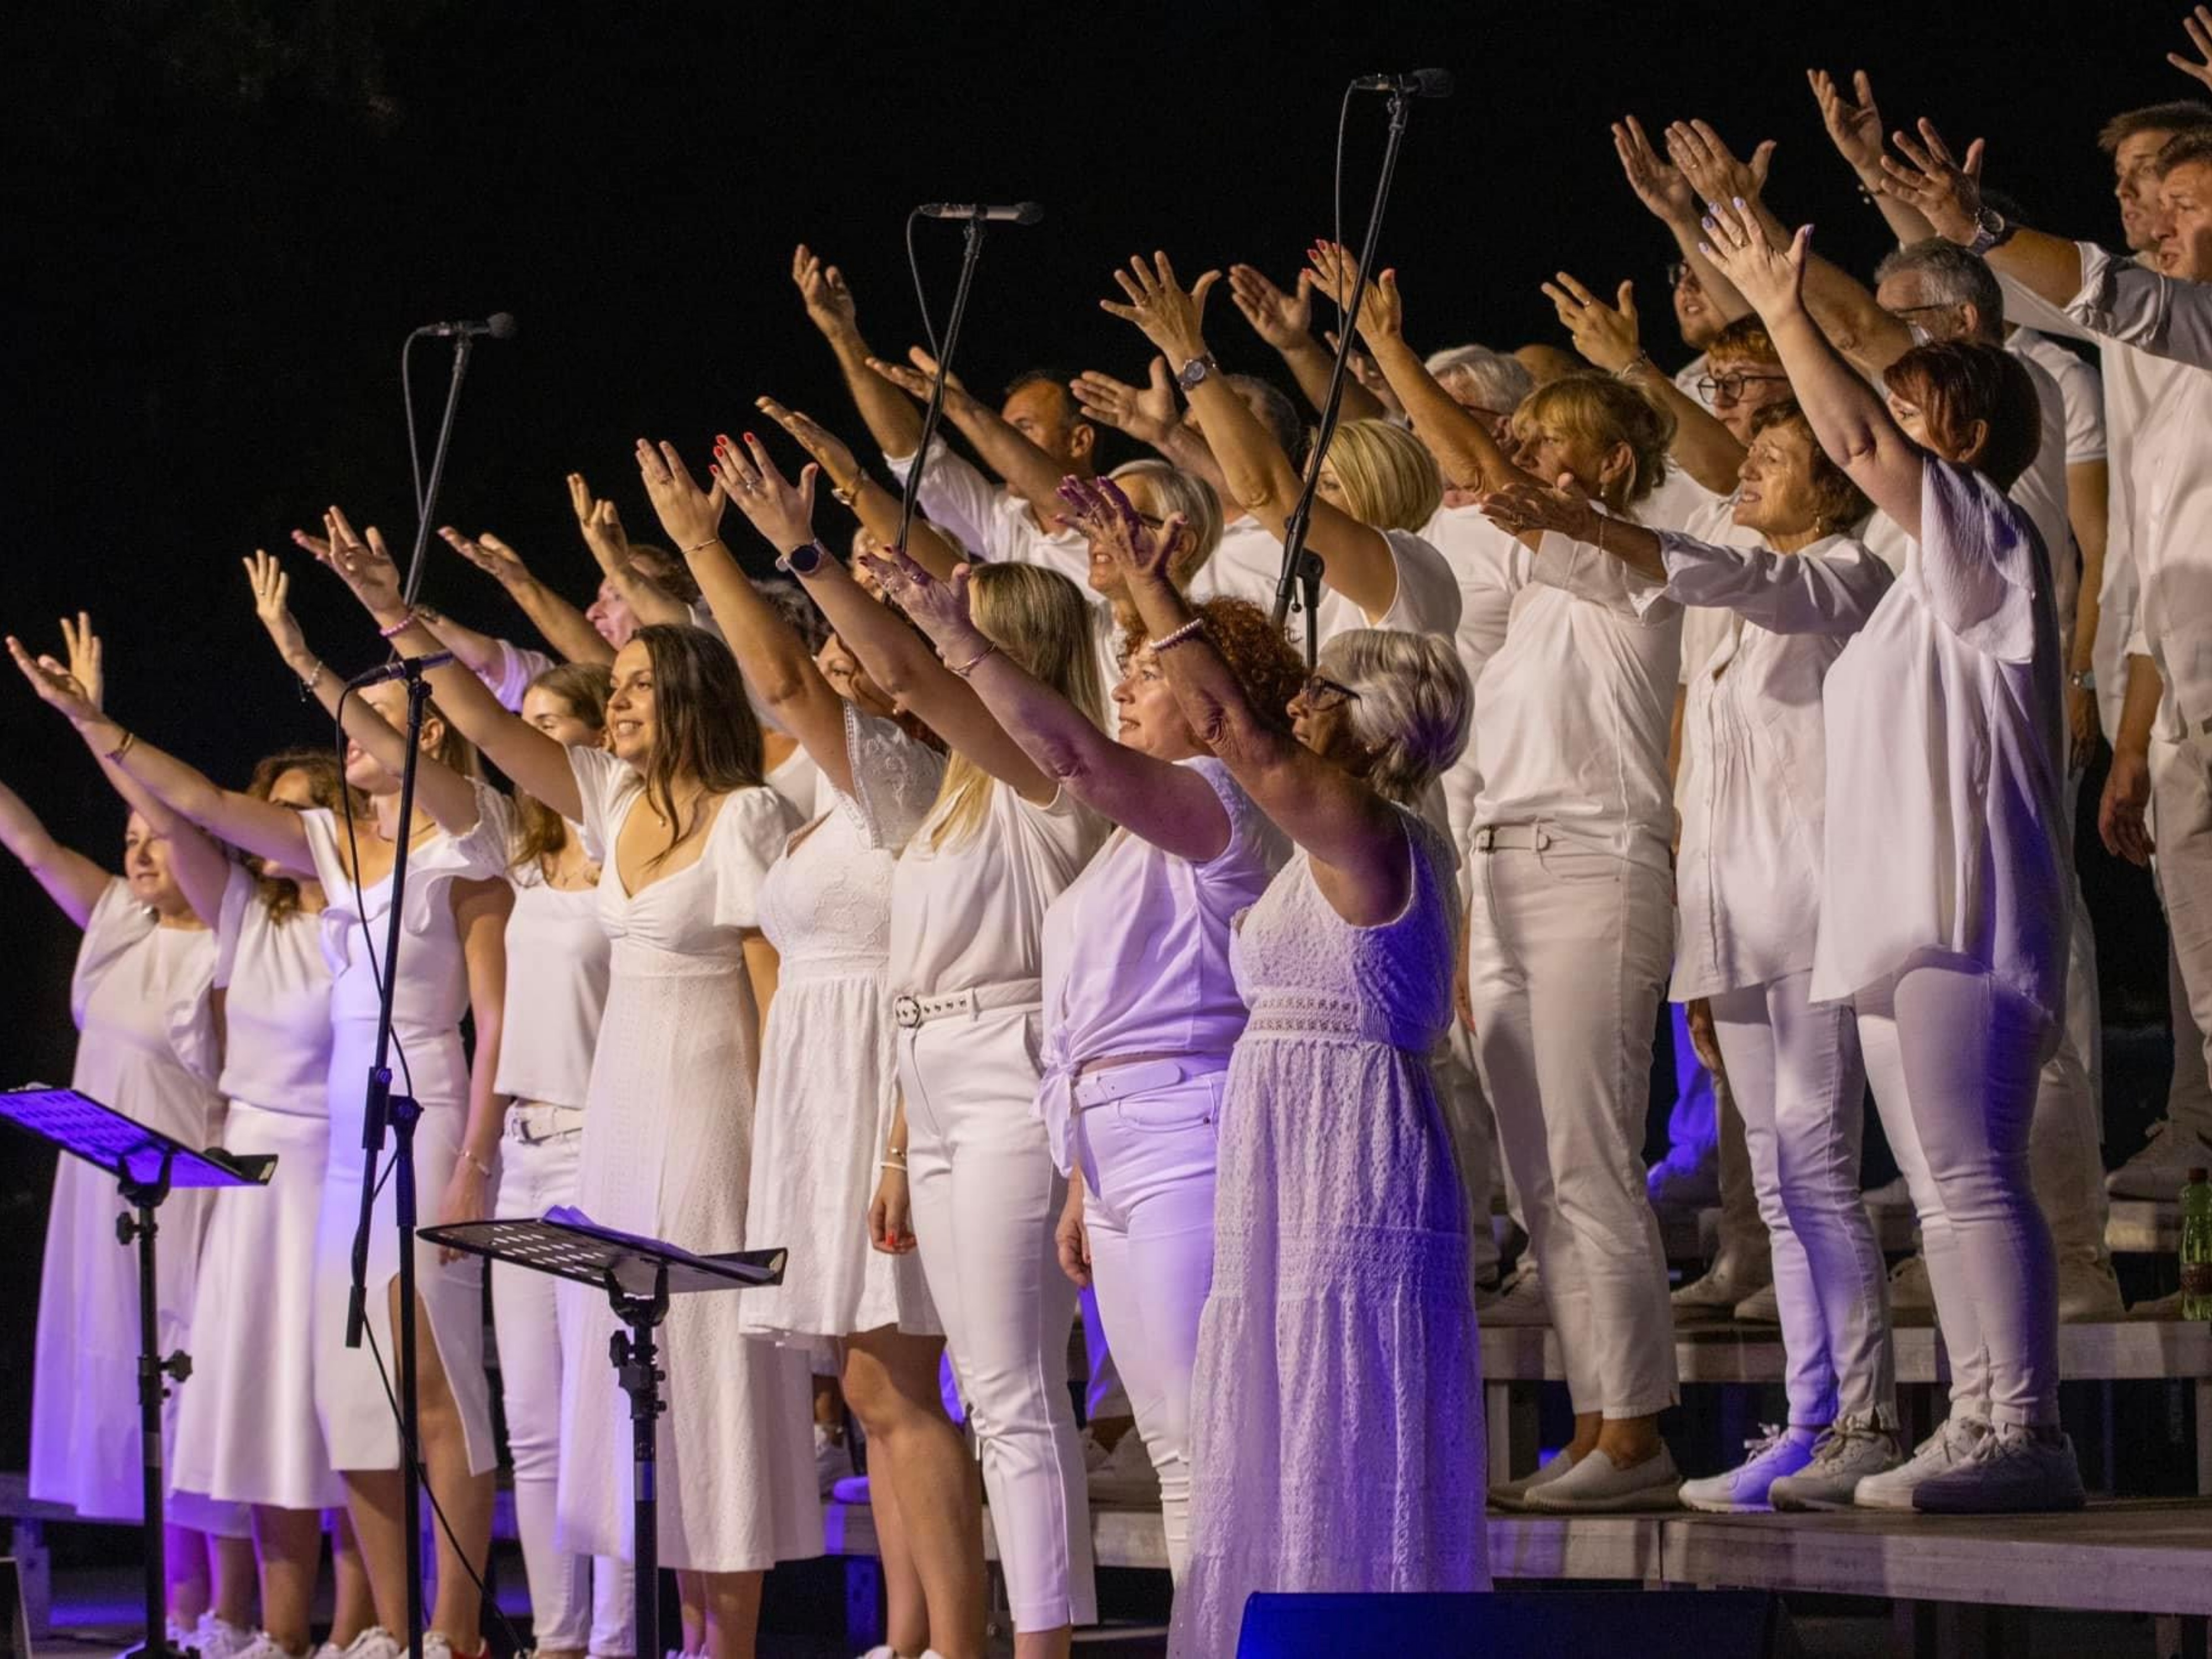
{"x": 1991, "y": 230}
{"x": 2082, "y": 679}
{"x": 804, "y": 559}
{"x": 1195, "y": 373}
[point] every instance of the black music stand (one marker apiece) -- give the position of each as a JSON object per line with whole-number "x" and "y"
{"x": 148, "y": 1165}
{"x": 639, "y": 1276}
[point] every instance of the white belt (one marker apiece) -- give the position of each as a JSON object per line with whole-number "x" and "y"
{"x": 1512, "y": 838}
{"x": 912, "y": 1012}
{"x": 532, "y": 1121}
{"x": 1119, "y": 1081}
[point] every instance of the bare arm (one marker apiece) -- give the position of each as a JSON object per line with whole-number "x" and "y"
{"x": 2122, "y": 822}
{"x": 608, "y": 545}
{"x": 1855, "y": 128}
{"x": 764, "y": 970}
{"x": 1947, "y": 192}
{"x": 558, "y": 623}
{"x": 893, "y": 422}
{"x": 1027, "y": 471}
{"x": 2088, "y": 496}
{"x": 1285, "y": 321}
{"x": 1150, "y": 417}
{"x": 1668, "y": 196}
{"x": 874, "y": 506}
{"x": 71, "y": 881}
{"x": 480, "y": 912}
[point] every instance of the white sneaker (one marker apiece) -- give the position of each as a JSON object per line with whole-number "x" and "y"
{"x": 1938, "y": 1454}
{"x": 1514, "y": 1494}
{"x": 2011, "y": 1471}
{"x": 1715, "y": 1295}
{"x": 2088, "y": 1293}
{"x": 881, "y": 1650}
{"x": 1122, "y": 1478}
{"x": 1597, "y": 1486}
{"x": 1779, "y": 1450}
{"x": 1849, "y": 1450}
{"x": 1520, "y": 1302}
{"x": 1911, "y": 1297}
{"x": 218, "y": 1639}
{"x": 853, "y": 1489}
{"x": 266, "y": 1646}
{"x": 833, "y": 1461}
{"x": 437, "y": 1644}
{"x": 2158, "y": 1171}
{"x": 1761, "y": 1307}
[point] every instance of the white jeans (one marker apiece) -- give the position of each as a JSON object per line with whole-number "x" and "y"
{"x": 575, "y": 1601}
{"x": 1953, "y": 1057}
{"x": 986, "y": 1201}
{"x": 2064, "y": 1160}
{"x": 1567, "y": 954}
{"x": 1795, "y": 1075}
{"x": 1104, "y": 1396}
{"x": 1148, "y": 1167}
{"x": 2181, "y": 822}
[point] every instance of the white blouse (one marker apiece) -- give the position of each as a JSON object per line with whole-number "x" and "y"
{"x": 1136, "y": 949}
{"x": 1249, "y": 562}
{"x": 276, "y": 1004}
{"x": 1747, "y": 874}
{"x": 1946, "y": 800}
{"x": 970, "y": 913}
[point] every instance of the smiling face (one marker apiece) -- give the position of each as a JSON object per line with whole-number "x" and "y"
{"x": 1775, "y": 493}
{"x": 632, "y": 727}
{"x": 1150, "y": 720}
{"x": 1741, "y": 389}
{"x": 556, "y": 717}
{"x": 146, "y": 867}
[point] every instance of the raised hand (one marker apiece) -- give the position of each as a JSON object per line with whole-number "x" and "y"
{"x": 915, "y": 376}
{"x": 1855, "y": 128}
{"x": 1284, "y": 320}
{"x": 272, "y": 596}
{"x": 58, "y": 688}
{"x": 87, "y": 657}
{"x": 829, "y": 302}
{"x": 1149, "y": 415}
{"x": 1364, "y": 370}
{"x": 939, "y": 609}
{"x": 689, "y": 516}
{"x": 601, "y": 525}
{"x": 782, "y": 512}
{"x": 488, "y": 554}
{"x": 1769, "y": 278}
{"x": 1658, "y": 183}
{"x": 1527, "y": 510}
{"x": 363, "y": 564}
{"x": 1097, "y": 508}
{"x": 1947, "y": 192}
{"x": 1171, "y": 316}
{"x": 2198, "y": 28}
{"x": 830, "y": 453}
{"x": 1605, "y": 335}
{"x": 1712, "y": 167}
{"x": 1331, "y": 268}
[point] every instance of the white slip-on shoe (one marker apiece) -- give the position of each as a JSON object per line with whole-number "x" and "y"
{"x": 2088, "y": 1292}
{"x": 1714, "y": 1295}
{"x": 1911, "y": 1297}
{"x": 1520, "y": 1302}
{"x": 1598, "y": 1487}
{"x": 1514, "y": 1494}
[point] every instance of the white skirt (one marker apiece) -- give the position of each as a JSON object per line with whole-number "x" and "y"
{"x": 248, "y": 1431}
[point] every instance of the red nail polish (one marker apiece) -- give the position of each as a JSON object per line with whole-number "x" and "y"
{"x": 751, "y": 439}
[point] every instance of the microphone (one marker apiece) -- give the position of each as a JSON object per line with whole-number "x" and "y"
{"x": 1421, "y": 84}
{"x": 403, "y": 669}
{"x": 500, "y": 325}
{"x": 1021, "y": 213}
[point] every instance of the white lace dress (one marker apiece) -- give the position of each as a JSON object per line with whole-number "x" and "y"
{"x": 829, "y": 1084}
{"x": 666, "y": 1149}
{"x": 1337, "y": 1432}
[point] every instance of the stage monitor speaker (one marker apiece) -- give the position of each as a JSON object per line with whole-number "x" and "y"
{"x": 1551, "y": 1623}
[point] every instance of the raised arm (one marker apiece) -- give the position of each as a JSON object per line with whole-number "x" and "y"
{"x": 71, "y": 881}
{"x": 609, "y": 543}
{"x": 1847, "y": 414}
{"x": 1356, "y": 560}
{"x": 1027, "y": 471}
{"x": 1285, "y": 321}
{"x": 1168, "y": 805}
{"x": 1150, "y": 415}
{"x": 1668, "y": 196}
{"x": 874, "y": 506}
{"x": 558, "y": 623}
{"x": 1855, "y": 128}
{"x": 892, "y": 420}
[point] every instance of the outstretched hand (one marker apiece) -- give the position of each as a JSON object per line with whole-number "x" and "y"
{"x": 2197, "y": 26}
{"x": 1658, "y": 183}
{"x": 488, "y": 554}
{"x": 1607, "y": 335}
{"x": 1283, "y": 321}
{"x": 781, "y": 510}
{"x": 939, "y": 609}
{"x": 272, "y": 596}
{"x": 86, "y": 657}
{"x": 58, "y": 688}
{"x": 917, "y": 376}
{"x": 830, "y": 453}
{"x": 1171, "y": 316}
{"x": 600, "y": 523}
{"x": 1097, "y": 509}
{"x": 362, "y": 563}
{"x": 1527, "y": 510}
{"x": 1855, "y": 128}
{"x": 1149, "y": 415}
{"x": 1336, "y": 273}
{"x": 1947, "y": 191}
{"x": 689, "y": 516}
{"x": 1713, "y": 169}
{"x": 1769, "y": 278}
{"x": 822, "y": 287}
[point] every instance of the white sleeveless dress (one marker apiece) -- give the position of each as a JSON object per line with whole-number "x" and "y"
{"x": 249, "y": 1432}
{"x": 666, "y": 1149}
{"x": 1337, "y": 1435}
{"x": 147, "y": 1046}
{"x": 829, "y": 1080}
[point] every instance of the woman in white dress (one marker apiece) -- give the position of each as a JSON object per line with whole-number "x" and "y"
{"x": 148, "y": 1046}
{"x": 828, "y": 1078}
{"x": 686, "y": 830}
{"x": 453, "y": 963}
{"x": 1141, "y": 1009}
{"x": 975, "y": 1185}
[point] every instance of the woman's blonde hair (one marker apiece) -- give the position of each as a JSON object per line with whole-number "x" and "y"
{"x": 1412, "y": 707}
{"x": 1041, "y": 620}
{"x": 1388, "y": 476}
{"x": 1599, "y": 410}
{"x": 1189, "y": 495}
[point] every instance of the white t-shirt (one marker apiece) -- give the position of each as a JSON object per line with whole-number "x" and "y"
{"x": 1249, "y": 562}
{"x": 989, "y": 520}
{"x": 970, "y": 913}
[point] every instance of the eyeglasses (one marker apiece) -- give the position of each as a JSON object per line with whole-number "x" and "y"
{"x": 1681, "y": 274}
{"x": 1730, "y": 388}
{"x": 1321, "y": 693}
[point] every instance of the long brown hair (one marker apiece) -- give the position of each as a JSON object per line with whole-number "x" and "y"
{"x": 541, "y": 832}
{"x": 326, "y": 788}
{"x": 705, "y": 721}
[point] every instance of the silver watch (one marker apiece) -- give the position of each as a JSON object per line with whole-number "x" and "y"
{"x": 1991, "y": 230}
{"x": 1195, "y": 373}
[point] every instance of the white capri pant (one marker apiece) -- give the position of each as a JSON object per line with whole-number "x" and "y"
{"x": 1148, "y": 1159}
{"x": 986, "y": 1200}
{"x": 1795, "y": 1075}
{"x": 577, "y": 1603}
{"x": 1568, "y": 952}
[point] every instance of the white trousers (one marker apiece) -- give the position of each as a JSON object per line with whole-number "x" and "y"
{"x": 1473, "y": 1131}
{"x": 1795, "y": 1075}
{"x": 2181, "y": 822}
{"x": 1104, "y": 1396}
{"x": 2064, "y": 1160}
{"x": 577, "y": 1601}
{"x": 1148, "y": 1164}
{"x": 1953, "y": 1057}
{"x": 986, "y": 1201}
{"x": 1567, "y": 953}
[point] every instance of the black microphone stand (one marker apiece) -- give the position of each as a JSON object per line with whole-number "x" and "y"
{"x": 1301, "y": 569}
{"x": 399, "y": 1111}
{"x": 971, "y": 249}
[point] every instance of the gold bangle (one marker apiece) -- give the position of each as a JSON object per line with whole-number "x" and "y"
{"x": 123, "y": 748}
{"x": 849, "y": 495}
{"x": 964, "y": 669}
{"x": 476, "y": 1163}
{"x": 703, "y": 546}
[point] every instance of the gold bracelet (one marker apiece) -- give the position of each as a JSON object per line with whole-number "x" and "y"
{"x": 964, "y": 669}
{"x": 476, "y": 1163}
{"x": 123, "y": 748}
{"x": 703, "y": 546}
{"x": 849, "y": 495}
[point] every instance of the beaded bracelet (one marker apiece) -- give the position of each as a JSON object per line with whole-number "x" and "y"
{"x": 1182, "y": 635}
{"x": 406, "y": 621}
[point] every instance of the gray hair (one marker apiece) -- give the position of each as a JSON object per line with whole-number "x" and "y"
{"x": 1190, "y": 495}
{"x": 1959, "y": 278}
{"x": 1499, "y": 382}
{"x": 796, "y": 608}
{"x": 1413, "y": 705}
{"x": 1272, "y": 408}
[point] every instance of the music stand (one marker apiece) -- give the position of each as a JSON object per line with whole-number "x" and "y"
{"x": 639, "y": 1276}
{"x": 148, "y": 1165}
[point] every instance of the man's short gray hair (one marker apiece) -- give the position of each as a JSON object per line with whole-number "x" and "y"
{"x": 1960, "y": 278}
{"x": 1498, "y": 382}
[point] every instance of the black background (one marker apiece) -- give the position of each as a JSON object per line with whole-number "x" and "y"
{"x": 222, "y": 217}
